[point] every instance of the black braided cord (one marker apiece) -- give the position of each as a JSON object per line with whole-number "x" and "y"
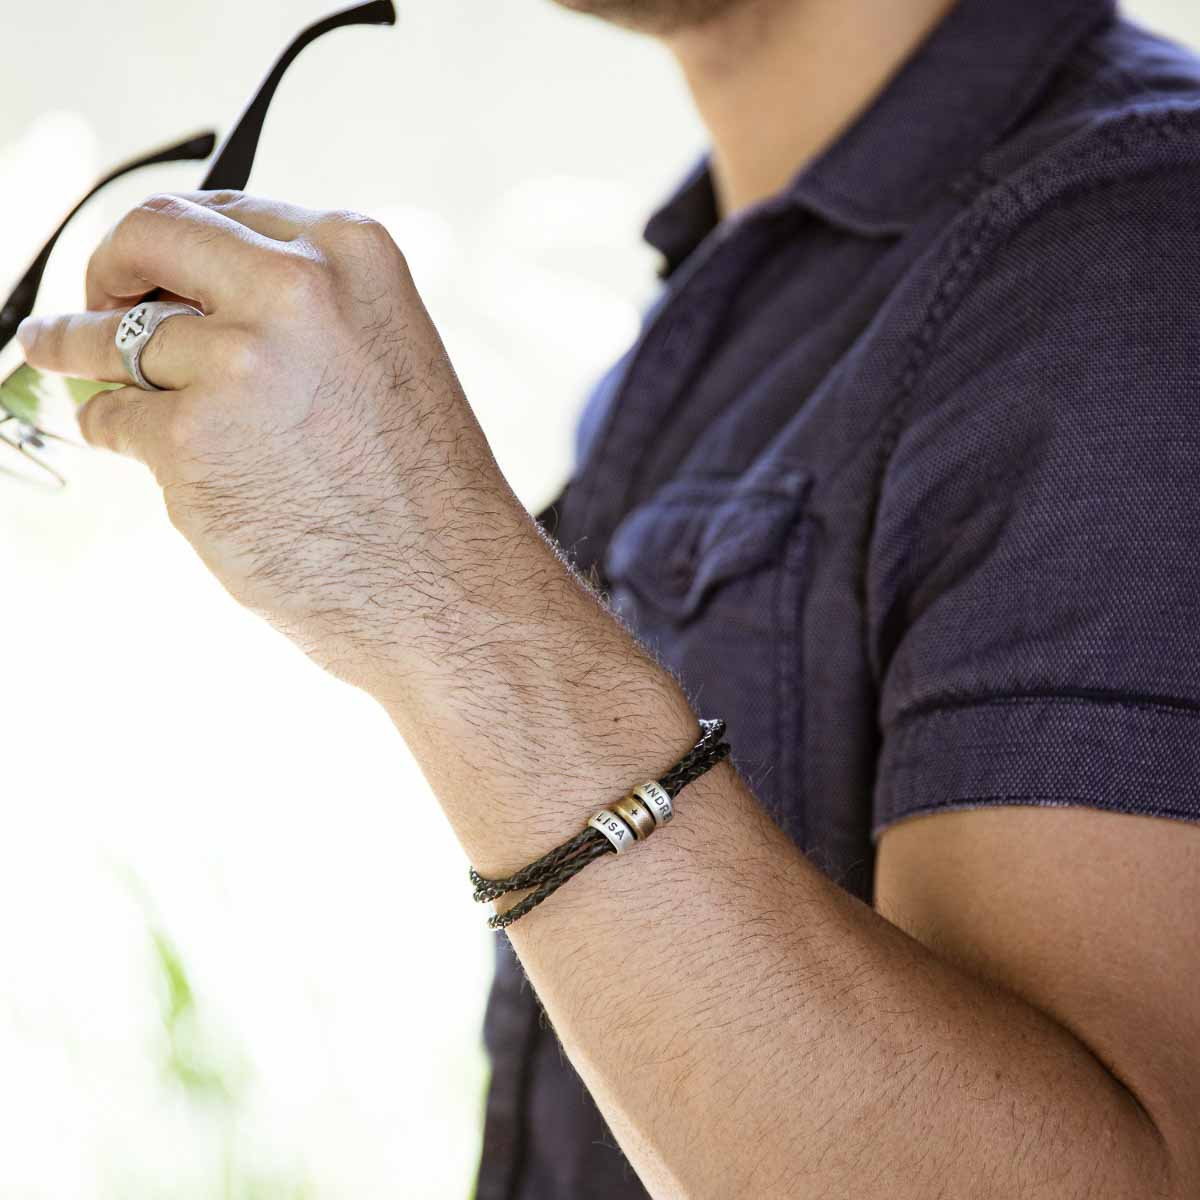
{"x": 704, "y": 755}
{"x": 548, "y": 873}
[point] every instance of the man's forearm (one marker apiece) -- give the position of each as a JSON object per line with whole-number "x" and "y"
{"x": 747, "y": 1028}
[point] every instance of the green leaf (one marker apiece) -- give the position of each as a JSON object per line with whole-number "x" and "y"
{"x": 82, "y": 390}
{"x": 28, "y": 394}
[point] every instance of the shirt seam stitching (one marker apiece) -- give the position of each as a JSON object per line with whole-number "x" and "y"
{"x": 1075, "y": 698}
{"x": 982, "y": 233}
{"x": 895, "y": 812}
{"x": 975, "y": 242}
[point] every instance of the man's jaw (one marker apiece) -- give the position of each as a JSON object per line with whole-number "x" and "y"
{"x": 660, "y": 18}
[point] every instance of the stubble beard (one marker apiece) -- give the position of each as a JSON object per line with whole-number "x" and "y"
{"x": 658, "y": 17}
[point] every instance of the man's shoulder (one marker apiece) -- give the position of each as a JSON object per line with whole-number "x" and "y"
{"x": 1090, "y": 205}
{"x": 1122, "y": 116}
{"x": 1068, "y": 280}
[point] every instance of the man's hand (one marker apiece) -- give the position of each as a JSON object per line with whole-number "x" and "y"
{"x": 313, "y": 442}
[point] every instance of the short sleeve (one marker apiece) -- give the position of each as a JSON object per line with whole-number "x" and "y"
{"x": 1033, "y": 577}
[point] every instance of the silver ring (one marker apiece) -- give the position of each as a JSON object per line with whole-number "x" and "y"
{"x": 137, "y": 328}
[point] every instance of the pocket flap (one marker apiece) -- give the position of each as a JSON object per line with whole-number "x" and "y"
{"x": 695, "y": 534}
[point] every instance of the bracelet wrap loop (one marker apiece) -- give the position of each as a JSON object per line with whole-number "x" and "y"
{"x": 632, "y": 818}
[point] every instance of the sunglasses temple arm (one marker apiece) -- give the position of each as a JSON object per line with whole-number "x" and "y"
{"x": 230, "y": 169}
{"x": 22, "y": 298}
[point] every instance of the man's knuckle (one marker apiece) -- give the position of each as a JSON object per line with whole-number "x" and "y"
{"x": 357, "y": 230}
{"x": 143, "y": 219}
{"x": 159, "y": 204}
{"x": 241, "y": 356}
{"x": 337, "y": 220}
{"x": 181, "y": 428}
{"x": 369, "y": 231}
{"x": 133, "y": 227}
{"x": 298, "y": 281}
{"x": 223, "y": 198}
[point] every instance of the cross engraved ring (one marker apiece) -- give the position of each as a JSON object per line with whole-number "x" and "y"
{"x": 137, "y": 328}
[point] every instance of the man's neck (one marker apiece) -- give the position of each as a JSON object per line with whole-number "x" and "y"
{"x": 777, "y": 81}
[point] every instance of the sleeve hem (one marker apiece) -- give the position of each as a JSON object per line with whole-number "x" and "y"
{"x": 1049, "y": 751}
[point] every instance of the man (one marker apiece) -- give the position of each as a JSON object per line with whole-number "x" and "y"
{"x": 901, "y": 481}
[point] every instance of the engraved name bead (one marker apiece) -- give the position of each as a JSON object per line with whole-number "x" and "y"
{"x": 614, "y": 829}
{"x": 654, "y": 796}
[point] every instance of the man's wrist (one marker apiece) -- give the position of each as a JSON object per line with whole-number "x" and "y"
{"x": 471, "y": 576}
{"x": 420, "y": 577}
{"x": 525, "y": 701}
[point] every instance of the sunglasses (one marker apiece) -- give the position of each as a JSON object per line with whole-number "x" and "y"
{"x": 26, "y": 394}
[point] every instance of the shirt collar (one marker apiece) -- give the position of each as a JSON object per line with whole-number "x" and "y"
{"x": 972, "y": 79}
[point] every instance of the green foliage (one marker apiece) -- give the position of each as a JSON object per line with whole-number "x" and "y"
{"x": 202, "y": 1063}
{"x": 188, "y": 1062}
{"x": 28, "y": 394}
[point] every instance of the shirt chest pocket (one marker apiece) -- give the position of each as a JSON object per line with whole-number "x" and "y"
{"x": 710, "y": 576}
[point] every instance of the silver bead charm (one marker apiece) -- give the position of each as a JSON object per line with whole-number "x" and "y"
{"x": 613, "y": 828}
{"x": 653, "y": 795}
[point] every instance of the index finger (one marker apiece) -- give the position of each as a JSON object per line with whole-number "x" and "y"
{"x": 83, "y": 345}
{"x": 188, "y": 249}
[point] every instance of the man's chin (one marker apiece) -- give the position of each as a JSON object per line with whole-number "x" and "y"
{"x": 658, "y": 17}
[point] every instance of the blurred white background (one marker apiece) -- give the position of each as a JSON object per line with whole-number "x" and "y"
{"x": 187, "y": 803}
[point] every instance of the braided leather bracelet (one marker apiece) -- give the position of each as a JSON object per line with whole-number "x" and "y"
{"x": 631, "y": 819}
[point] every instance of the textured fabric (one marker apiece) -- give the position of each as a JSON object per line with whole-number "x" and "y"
{"x": 902, "y": 478}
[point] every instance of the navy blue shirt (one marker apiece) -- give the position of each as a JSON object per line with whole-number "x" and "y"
{"x": 902, "y": 479}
